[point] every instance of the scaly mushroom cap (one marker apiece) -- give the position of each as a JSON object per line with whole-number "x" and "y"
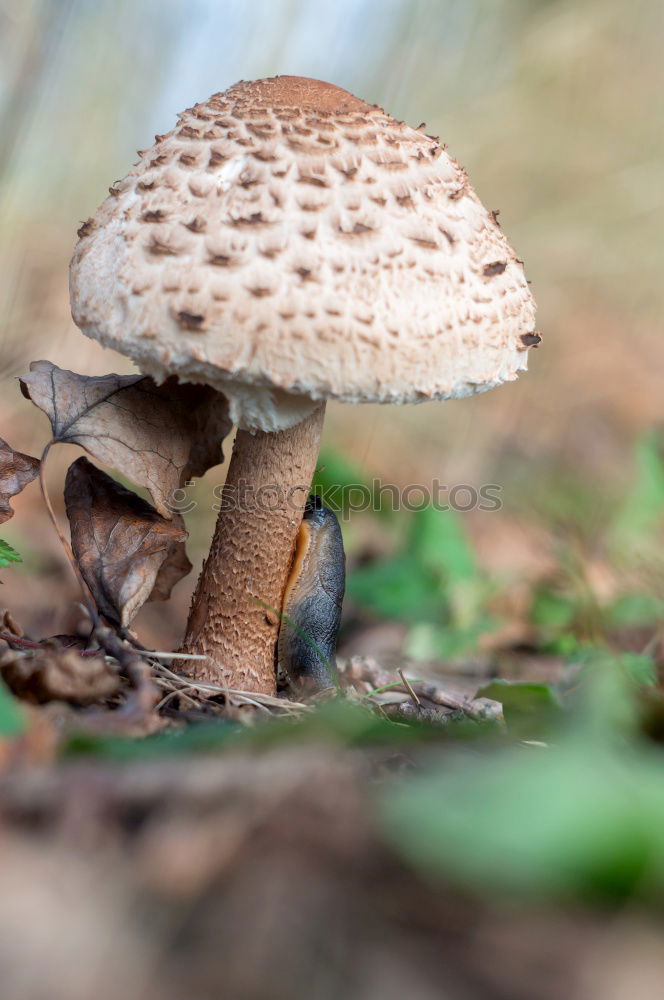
{"x": 287, "y": 243}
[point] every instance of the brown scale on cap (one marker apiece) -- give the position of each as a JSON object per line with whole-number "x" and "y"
{"x": 297, "y": 92}
{"x": 531, "y": 339}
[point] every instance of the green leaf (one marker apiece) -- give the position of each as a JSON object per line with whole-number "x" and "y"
{"x": 437, "y": 541}
{"x": 639, "y": 667}
{"x": 12, "y": 719}
{"x": 643, "y": 509}
{"x": 198, "y": 738}
{"x": 428, "y": 641}
{"x": 398, "y": 588}
{"x": 8, "y": 555}
{"x": 530, "y": 710}
{"x": 338, "y": 721}
{"x": 343, "y": 485}
{"x": 580, "y": 818}
{"x": 635, "y": 609}
{"x": 552, "y": 610}
{"x": 603, "y": 694}
{"x": 577, "y": 820}
{"x": 567, "y": 645}
{"x": 432, "y": 579}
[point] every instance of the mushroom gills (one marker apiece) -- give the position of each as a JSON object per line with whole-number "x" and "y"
{"x": 312, "y": 602}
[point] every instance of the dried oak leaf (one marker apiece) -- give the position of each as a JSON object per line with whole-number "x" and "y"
{"x": 127, "y": 553}
{"x": 159, "y": 436}
{"x": 51, "y": 674}
{"x": 8, "y": 623}
{"x": 16, "y": 471}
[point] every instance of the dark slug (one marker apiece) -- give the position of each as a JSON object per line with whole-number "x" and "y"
{"x": 312, "y": 602}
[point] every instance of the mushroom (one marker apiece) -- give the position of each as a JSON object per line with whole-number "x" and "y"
{"x": 288, "y": 243}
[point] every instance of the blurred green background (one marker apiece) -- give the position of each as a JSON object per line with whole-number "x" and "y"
{"x": 556, "y": 110}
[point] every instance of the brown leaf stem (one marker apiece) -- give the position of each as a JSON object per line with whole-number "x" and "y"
{"x": 21, "y": 643}
{"x": 87, "y": 596}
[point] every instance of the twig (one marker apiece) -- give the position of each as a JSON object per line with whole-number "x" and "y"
{"x": 168, "y": 697}
{"x": 175, "y": 656}
{"x": 394, "y": 685}
{"x": 432, "y": 692}
{"x": 243, "y": 697}
{"x": 417, "y": 690}
{"x": 21, "y": 643}
{"x": 133, "y": 667}
{"x": 409, "y": 688}
{"x": 16, "y": 640}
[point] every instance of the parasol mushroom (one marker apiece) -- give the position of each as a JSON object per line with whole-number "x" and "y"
{"x": 288, "y": 243}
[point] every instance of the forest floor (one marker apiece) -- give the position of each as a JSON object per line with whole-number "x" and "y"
{"x": 479, "y": 814}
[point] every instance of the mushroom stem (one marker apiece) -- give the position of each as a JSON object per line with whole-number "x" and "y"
{"x": 234, "y": 616}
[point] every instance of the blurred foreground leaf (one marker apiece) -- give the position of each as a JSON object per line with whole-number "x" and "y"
{"x": 575, "y": 820}
{"x": 580, "y": 817}
{"x": 12, "y": 719}
{"x": 196, "y": 738}
{"x": 339, "y": 722}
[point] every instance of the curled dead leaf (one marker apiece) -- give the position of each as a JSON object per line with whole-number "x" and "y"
{"x": 51, "y": 674}
{"x": 9, "y": 624}
{"x": 126, "y": 552}
{"x": 159, "y": 436}
{"x": 16, "y": 471}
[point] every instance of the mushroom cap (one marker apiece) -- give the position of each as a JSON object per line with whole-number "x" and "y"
{"x": 288, "y": 243}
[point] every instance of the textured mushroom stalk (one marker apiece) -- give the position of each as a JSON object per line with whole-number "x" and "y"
{"x": 234, "y": 617}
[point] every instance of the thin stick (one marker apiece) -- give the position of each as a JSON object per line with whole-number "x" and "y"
{"x": 16, "y": 640}
{"x": 175, "y": 656}
{"x": 263, "y": 699}
{"x": 168, "y": 697}
{"x": 409, "y": 688}
{"x": 381, "y": 689}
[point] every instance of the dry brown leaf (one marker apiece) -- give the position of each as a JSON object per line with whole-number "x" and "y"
{"x": 51, "y": 674}
{"x": 9, "y": 624}
{"x": 159, "y": 436}
{"x": 16, "y": 471}
{"x": 172, "y": 570}
{"x": 126, "y": 551}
